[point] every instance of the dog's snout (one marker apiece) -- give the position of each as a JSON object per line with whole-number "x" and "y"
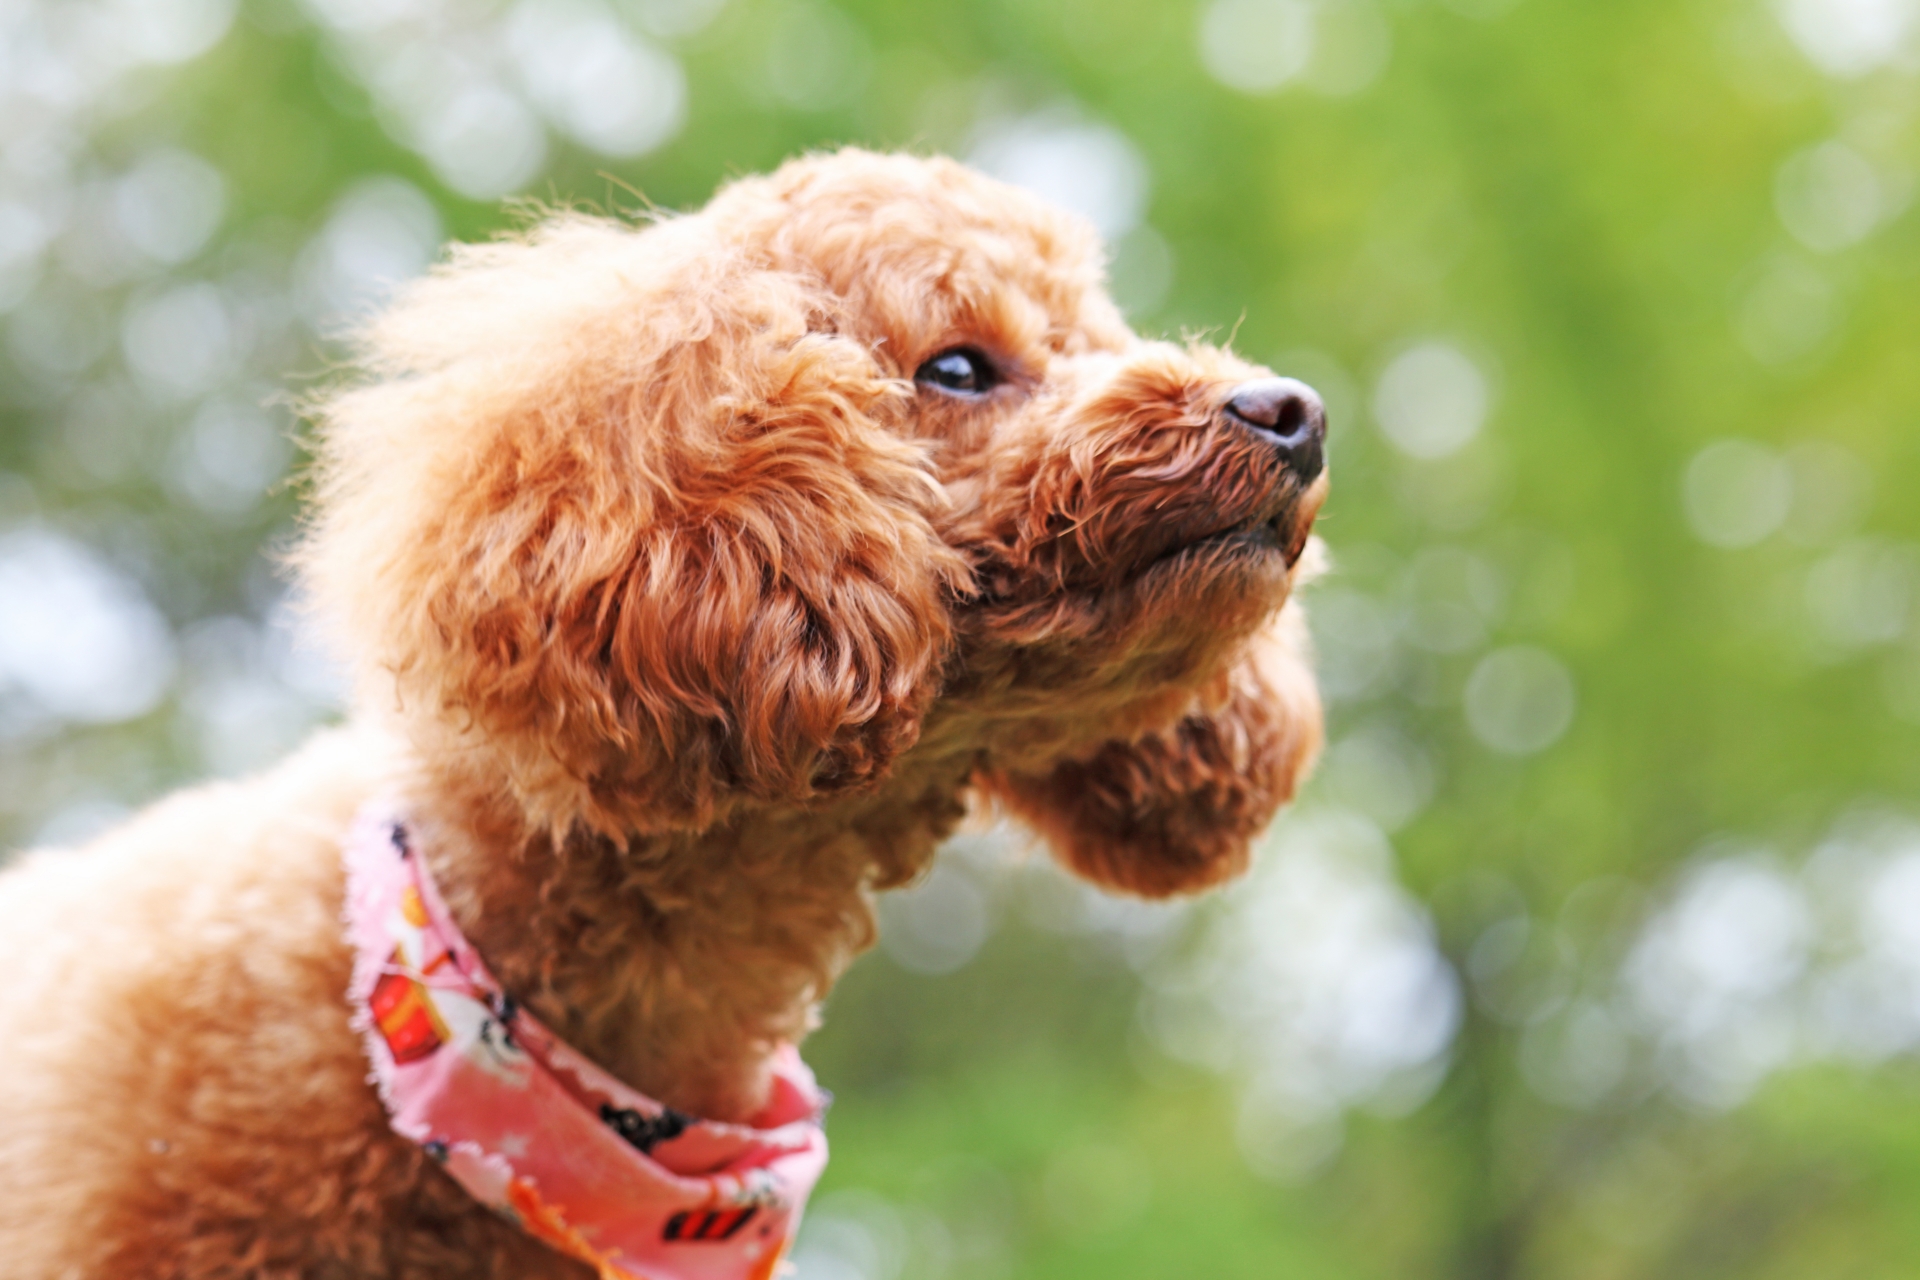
{"x": 1290, "y": 412}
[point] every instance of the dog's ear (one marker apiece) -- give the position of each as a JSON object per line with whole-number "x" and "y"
{"x": 1177, "y": 810}
{"x": 624, "y": 511}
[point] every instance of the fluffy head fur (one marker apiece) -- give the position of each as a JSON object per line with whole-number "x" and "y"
{"x": 657, "y": 522}
{"x": 685, "y": 618}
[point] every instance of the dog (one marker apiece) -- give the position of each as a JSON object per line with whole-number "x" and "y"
{"x": 698, "y": 577}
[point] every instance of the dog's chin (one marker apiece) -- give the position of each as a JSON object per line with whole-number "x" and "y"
{"x": 1231, "y": 579}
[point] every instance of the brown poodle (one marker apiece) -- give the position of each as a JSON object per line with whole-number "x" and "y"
{"x": 699, "y": 576}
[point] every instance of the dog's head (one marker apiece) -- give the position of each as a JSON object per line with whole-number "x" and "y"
{"x": 731, "y": 509}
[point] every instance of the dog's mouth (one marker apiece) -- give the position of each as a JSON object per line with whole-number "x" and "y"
{"x": 1259, "y": 538}
{"x": 1284, "y": 534}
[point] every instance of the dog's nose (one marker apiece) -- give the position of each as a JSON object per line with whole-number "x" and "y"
{"x": 1290, "y": 412}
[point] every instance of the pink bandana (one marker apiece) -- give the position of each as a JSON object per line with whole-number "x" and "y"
{"x": 539, "y": 1134}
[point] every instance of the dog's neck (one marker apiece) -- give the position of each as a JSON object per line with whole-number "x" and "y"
{"x": 678, "y": 962}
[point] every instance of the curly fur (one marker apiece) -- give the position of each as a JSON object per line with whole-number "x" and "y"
{"x": 683, "y": 620}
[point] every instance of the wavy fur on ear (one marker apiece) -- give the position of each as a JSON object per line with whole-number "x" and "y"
{"x": 623, "y": 513}
{"x": 1177, "y": 810}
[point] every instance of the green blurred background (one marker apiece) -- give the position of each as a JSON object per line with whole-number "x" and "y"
{"x": 1594, "y": 948}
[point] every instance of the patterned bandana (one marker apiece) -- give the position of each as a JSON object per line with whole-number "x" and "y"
{"x": 539, "y": 1134}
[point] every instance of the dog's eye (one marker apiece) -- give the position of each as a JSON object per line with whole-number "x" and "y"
{"x": 962, "y": 371}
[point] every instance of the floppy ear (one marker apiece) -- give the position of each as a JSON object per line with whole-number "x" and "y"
{"x": 1176, "y": 810}
{"x": 624, "y": 514}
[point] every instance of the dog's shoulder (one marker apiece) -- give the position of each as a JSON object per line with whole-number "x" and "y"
{"x": 191, "y": 871}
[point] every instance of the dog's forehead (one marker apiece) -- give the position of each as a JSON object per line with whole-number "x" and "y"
{"x": 928, "y": 253}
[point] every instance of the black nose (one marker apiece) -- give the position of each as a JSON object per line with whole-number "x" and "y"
{"x": 1291, "y": 413}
